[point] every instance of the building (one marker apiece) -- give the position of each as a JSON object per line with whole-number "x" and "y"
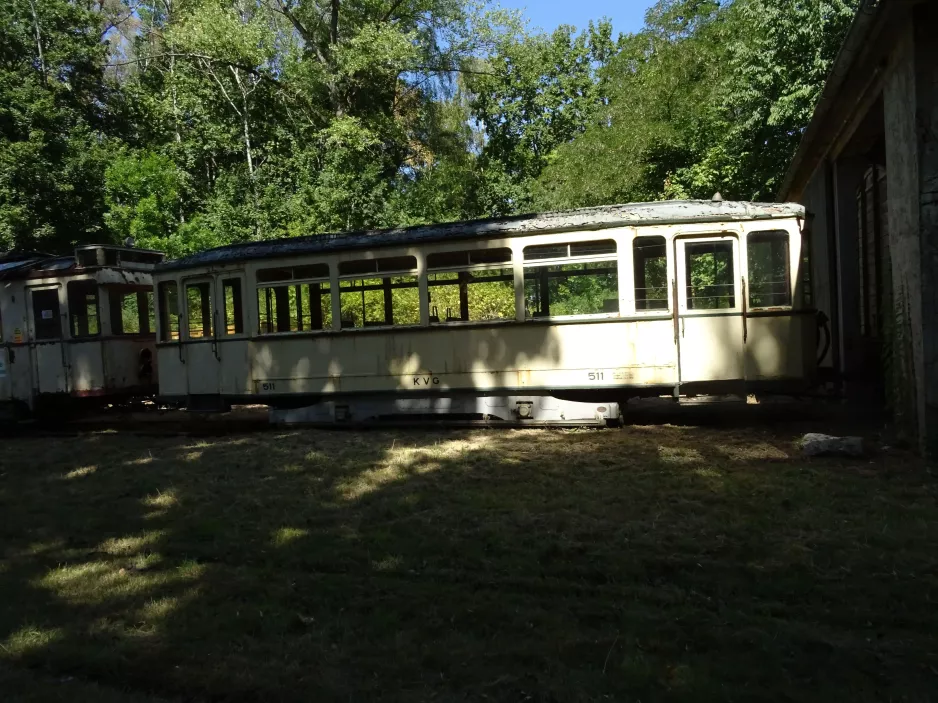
{"x": 867, "y": 169}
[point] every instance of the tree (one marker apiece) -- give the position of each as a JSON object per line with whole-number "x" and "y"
{"x": 55, "y": 125}
{"x": 776, "y": 71}
{"x": 142, "y": 192}
{"x": 708, "y": 97}
{"x": 537, "y": 93}
{"x": 660, "y": 114}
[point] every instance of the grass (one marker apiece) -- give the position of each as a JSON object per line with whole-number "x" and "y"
{"x": 652, "y": 563}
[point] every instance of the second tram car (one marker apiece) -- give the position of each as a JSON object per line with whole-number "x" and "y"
{"x": 517, "y": 318}
{"x": 76, "y": 329}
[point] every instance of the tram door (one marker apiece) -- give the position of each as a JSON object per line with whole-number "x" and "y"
{"x": 710, "y": 325}
{"x": 46, "y": 341}
{"x": 203, "y": 368}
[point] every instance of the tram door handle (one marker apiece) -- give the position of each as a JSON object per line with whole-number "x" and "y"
{"x": 682, "y": 328}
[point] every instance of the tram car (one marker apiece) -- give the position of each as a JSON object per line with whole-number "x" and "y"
{"x": 76, "y": 330}
{"x": 542, "y": 318}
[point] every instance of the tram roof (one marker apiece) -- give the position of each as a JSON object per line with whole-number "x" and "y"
{"x": 593, "y": 218}
{"x": 30, "y": 264}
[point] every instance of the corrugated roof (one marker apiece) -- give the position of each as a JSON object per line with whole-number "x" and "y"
{"x": 633, "y": 214}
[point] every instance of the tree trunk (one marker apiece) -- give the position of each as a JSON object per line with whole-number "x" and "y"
{"x": 334, "y": 24}
{"x": 334, "y": 92}
{"x": 247, "y": 145}
{"x": 42, "y": 60}
{"x": 245, "y": 120}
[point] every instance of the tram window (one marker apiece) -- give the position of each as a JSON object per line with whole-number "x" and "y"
{"x": 199, "y": 309}
{"x": 386, "y": 265}
{"x": 270, "y": 275}
{"x": 589, "y": 287}
{"x": 131, "y": 311}
{"x": 295, "y": 308}
{"x": 574, "y": 250}
{"x": 169, "y": 311}
{"x": 650, "y": 259}
{"x": 769, "y": 269}
{"x": 710, "y": 279}
{"x": 380, "y": 302}
{"x": 234, "y": 307}
{"x": 46, "y": 321}
{"x": 472, "y": 296}
{"x": 295, "y": 273}
{"x": 464, "y": 259}
{"x": 83, "y": 308}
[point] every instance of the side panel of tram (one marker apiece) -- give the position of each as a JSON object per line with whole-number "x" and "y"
{"x": 618, "y": 311}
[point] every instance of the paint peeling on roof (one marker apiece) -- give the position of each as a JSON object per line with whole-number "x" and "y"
{"x": 605, "y": 217}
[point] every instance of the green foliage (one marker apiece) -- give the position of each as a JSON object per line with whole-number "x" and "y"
{"x": 539, "y": 92}
{"x": 141, "y": 191}
{"x": 195, "y": 123}
{"x": 54, "y": 124}
{"x": 709, "y": 96}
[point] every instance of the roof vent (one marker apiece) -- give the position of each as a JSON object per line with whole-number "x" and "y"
{"x": 717, "y": 198}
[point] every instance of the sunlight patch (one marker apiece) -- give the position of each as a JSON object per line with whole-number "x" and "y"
{"x": 389, "y": 563}
{"x": 401, "y": 463}
{"x": 751, "y": 452}
{"x": 158, "y": 608}
{"x": 679, "y": 455}
{"x": 371, "y": 481}
{"x": 140, "y": 461}
{"x": 79, "y": 472}
{"x": 162, "y": 499}
{"x": 119, "y": 546}
{"x": 30, "y": 638}
{"x": 286, "y": 535}
{"x": 102, "y": 581}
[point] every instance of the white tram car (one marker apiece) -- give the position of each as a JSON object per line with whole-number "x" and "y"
{"x": 76, "y": 329}
{"x": 552, "y": 317}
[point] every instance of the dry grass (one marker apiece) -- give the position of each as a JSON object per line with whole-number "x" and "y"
{"x": 653, "y": 563}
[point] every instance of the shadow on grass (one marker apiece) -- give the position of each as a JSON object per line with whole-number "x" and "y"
{"x": 650, "y": 563}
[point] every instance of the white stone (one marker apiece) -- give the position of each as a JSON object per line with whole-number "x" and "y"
{"x": 814, "y": 444}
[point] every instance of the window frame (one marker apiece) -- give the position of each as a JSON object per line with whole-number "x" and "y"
{"x": 470, "y": 268}
{"x": 767, "y": 233}
{"x": 116, "y": 305}
{"x": 196, "y": 281}
{"x": 288, "y": 283}
{"x": 613, "y": 259}
{"x": 669, "y": 276}
{"x": 33, "y": 320}
{"x": 163, "y": 313}
{"x": 681, "y": 273}
{"x": 415, "y": 273}
{"x": 239, "y": 278}
{"x": 97, "y": 307}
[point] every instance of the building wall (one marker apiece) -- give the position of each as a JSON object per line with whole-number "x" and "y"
{"x": 816, "y": 202}
{"x": 905, "y": 360}
{"x": 926, "y": 87}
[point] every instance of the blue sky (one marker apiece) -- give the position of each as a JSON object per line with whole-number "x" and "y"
{"x": 626, "y": 15}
